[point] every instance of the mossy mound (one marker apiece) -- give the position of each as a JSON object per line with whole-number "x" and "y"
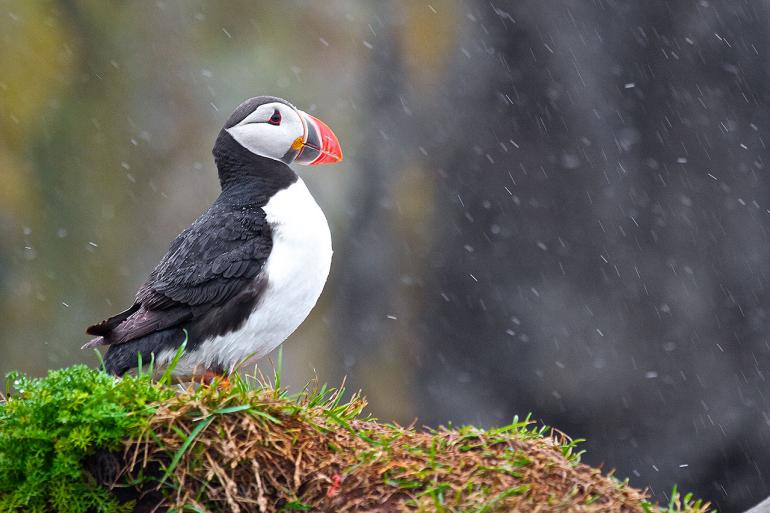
{"x": 50, "y": 426}
{"x": 80, "y": 441}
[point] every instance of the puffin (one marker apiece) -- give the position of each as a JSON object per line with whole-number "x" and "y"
{"x": 247, "y": 272}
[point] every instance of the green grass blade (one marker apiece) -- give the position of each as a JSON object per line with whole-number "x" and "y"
{"x": 101, "y": 360}
{"x": 278, "y": 369}
{"x": 166, "y": 378}
{"x": 186, "y": 445}
{"x": 232, "y": 409}
{"x": 265, "y": 416}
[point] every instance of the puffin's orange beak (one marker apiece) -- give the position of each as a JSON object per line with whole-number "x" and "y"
{"x": 319, "y": 146}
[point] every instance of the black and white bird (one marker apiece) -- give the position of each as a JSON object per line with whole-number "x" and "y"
{"x": 247, "y": 272}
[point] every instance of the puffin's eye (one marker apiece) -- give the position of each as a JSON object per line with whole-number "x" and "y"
{"x": 275, "y": 119}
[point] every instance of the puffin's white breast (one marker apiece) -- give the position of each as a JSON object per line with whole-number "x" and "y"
{"x": 296, "y": 272}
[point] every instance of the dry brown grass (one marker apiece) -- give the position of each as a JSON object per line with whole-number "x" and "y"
{"x": 258, "y": 451}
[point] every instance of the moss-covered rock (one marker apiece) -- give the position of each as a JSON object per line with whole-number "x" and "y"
{"x": 80, "y": 441}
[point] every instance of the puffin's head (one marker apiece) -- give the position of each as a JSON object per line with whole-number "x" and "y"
{"x": 272, "y": 127}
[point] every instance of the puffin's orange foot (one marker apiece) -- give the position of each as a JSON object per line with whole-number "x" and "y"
{"x": 222, "y": 380}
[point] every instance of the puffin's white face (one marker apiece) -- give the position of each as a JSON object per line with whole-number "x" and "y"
{"x": 270, "y": 131}
{"x": 278, "y": 131}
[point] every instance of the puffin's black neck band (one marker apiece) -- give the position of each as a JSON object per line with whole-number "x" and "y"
{"x": 246, "y": 177}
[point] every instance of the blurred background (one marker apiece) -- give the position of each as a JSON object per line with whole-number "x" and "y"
{"x": 552, "y": 207}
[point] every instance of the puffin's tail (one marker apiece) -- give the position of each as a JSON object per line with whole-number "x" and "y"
{"x": 107, "y": 325}
{"x": 104, "y": 328}
{"x": 94, "y": 342}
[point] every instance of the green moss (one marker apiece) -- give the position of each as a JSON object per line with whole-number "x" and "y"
{"x": 49, "y": 426}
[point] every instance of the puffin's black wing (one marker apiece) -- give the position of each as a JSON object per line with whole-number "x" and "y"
{"x": 207, "y": 264}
